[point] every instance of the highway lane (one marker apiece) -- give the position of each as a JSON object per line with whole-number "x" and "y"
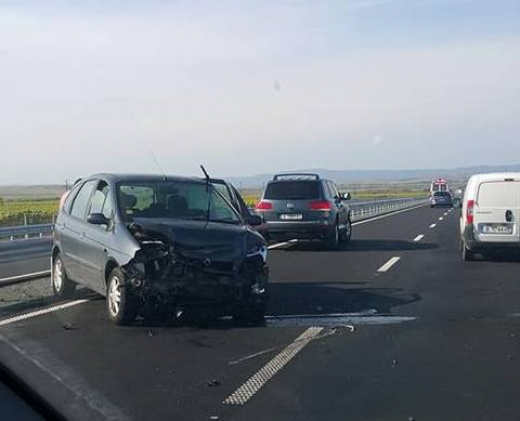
{"x": 456, "y": 360}
{"x": 20, "y": 257}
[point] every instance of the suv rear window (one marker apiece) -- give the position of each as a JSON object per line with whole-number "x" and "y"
{"x": 293, "y": 190}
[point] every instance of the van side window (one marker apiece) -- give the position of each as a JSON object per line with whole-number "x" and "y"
{"x": 101, "y": 201}
{"x": 79, "y": 206}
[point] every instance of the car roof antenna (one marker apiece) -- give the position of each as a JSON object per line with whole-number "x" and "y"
{"x": 208, "y": 183}
{"x": 157, "y": 163}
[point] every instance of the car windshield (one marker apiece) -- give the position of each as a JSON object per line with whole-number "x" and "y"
{"x": 283, "y": 190}
{"x": 174, "y": 200}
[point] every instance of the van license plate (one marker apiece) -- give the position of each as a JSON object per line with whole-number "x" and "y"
{"x": 291, "y": 216}
{"x": 501, "y": 229}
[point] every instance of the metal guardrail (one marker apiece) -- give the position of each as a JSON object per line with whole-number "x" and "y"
{"x": 25, "y": 231}
{"x": 5, "y": 282}
{"x": 364, "y": 210}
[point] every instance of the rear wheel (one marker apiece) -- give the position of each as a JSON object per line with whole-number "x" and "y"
{"x": 347, "y": 233}
{"x": 467, "y": 254}
{"x": 334, "y": 237}
{"x": 121, "y": 306}
{"x": 62, "y": 286}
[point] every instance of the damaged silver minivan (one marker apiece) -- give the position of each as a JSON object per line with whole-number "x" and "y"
{"x": 154, "y": 243}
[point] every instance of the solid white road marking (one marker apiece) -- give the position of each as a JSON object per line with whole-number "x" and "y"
{"x": 277, "y": 245}
{"x": 433, "y": 225}
{"x": 418, "y": 238}
{"x": 26, "y": 276}
{"x": 336, "y": 320}
{"x": 41, "y": 312}
{"x": 268, "y": 371}
{"x": 388, "y": 214}
{"x": 285, "y": 243}
{"x": 386, "y": 267}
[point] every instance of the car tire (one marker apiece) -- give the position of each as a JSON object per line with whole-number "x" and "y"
{"x": 467, "y": 254}
{"x": 334, "y": 237}
{"x": 347, "y": 233}
{"x": 62, "y": 286}
{"x": 121, "y": 307}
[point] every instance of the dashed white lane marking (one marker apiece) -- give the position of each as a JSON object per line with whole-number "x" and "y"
{"x": 41, "y": 312}
{"x": 441, "y": 218}
{"x": 387, "y": 215}
{"x": 386, "y": 267}
{"x": 268, "y": 371}
{"x": 418, "y": 238}
{"x": 445, "y": 213}
{"x": 433, "y": 225}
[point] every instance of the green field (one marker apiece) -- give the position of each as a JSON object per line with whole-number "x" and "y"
{"x": 251, "y": 197}
{"x": 18, "y": 212}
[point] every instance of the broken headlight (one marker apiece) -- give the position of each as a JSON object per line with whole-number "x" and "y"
{"x": 258, "y": 250}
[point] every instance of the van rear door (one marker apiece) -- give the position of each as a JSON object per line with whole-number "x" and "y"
{"x": 497, "y": 212}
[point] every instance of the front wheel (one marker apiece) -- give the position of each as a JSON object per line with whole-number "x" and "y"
{"x": 62, "y": 286}
{"x": 121, "y": 307}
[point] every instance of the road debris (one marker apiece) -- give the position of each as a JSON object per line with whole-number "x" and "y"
{"x": 395, "y": 362}
{"x": 213, "y": 383}
{"x": 69, "y": 326}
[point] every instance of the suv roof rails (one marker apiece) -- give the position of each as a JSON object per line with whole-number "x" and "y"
{"x": 296, "y": 176}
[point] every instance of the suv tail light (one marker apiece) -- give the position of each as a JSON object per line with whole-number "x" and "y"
{"x": 320, "y": 205}
{"x": 264, "y": 206}
{"x": 469, "y": 212}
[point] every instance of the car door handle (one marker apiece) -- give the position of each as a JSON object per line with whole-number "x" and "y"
{"x": 509, "y": 216}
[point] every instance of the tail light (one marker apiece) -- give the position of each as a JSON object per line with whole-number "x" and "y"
{"x": 323, "y": 205}
{"x": 264, "y": 206}
{"x": 469, "y": 212}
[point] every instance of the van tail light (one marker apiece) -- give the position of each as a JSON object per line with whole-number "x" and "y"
{"x": 264, "y": 206}
{"x": 322, "y": 205}
{"x": 470, "y": 212}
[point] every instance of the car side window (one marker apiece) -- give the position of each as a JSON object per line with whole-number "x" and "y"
{"x": 101, "y": 201}
{"x": 331, "y": 189}
{"x": 79, "y": 206}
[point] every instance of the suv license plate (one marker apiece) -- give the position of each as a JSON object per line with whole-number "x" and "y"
{"x": 291, "y": 216}
{"x": 503, "y": 229}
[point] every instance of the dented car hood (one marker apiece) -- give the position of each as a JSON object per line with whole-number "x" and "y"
{"x": 200, "y": 239}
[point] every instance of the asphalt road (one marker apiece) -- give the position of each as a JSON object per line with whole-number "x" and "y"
{"x": 20, "y": 257}
{"x": 387, "y": 328}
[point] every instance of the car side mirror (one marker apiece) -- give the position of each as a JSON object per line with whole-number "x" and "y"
{"x": 98, "y": 219}
{"x": 254, "y": 220}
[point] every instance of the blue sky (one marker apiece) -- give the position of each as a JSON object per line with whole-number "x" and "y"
{"x": 250, "y": 87}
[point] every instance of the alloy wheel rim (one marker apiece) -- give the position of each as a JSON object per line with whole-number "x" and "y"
{"x": 114, "y": 296}
{"x": 57, "y": 276}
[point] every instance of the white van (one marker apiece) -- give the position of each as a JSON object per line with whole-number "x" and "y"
{"x": 490, "y": 214}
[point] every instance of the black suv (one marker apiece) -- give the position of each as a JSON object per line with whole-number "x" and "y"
{"x": 304, "y": 206}
{"x": 151, "y": 243}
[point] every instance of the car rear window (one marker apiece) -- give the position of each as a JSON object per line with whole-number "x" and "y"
{"x": 292, "y": 190}
{"x": 503, "y": 194}
{"x": 441, "y": 194}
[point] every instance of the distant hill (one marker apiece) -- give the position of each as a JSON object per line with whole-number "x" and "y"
{"x": 379, "y": 176}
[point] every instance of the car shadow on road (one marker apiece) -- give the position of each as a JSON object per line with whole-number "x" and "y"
{"x": 362, "y": 245}
{"x": 320, "y": 298}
